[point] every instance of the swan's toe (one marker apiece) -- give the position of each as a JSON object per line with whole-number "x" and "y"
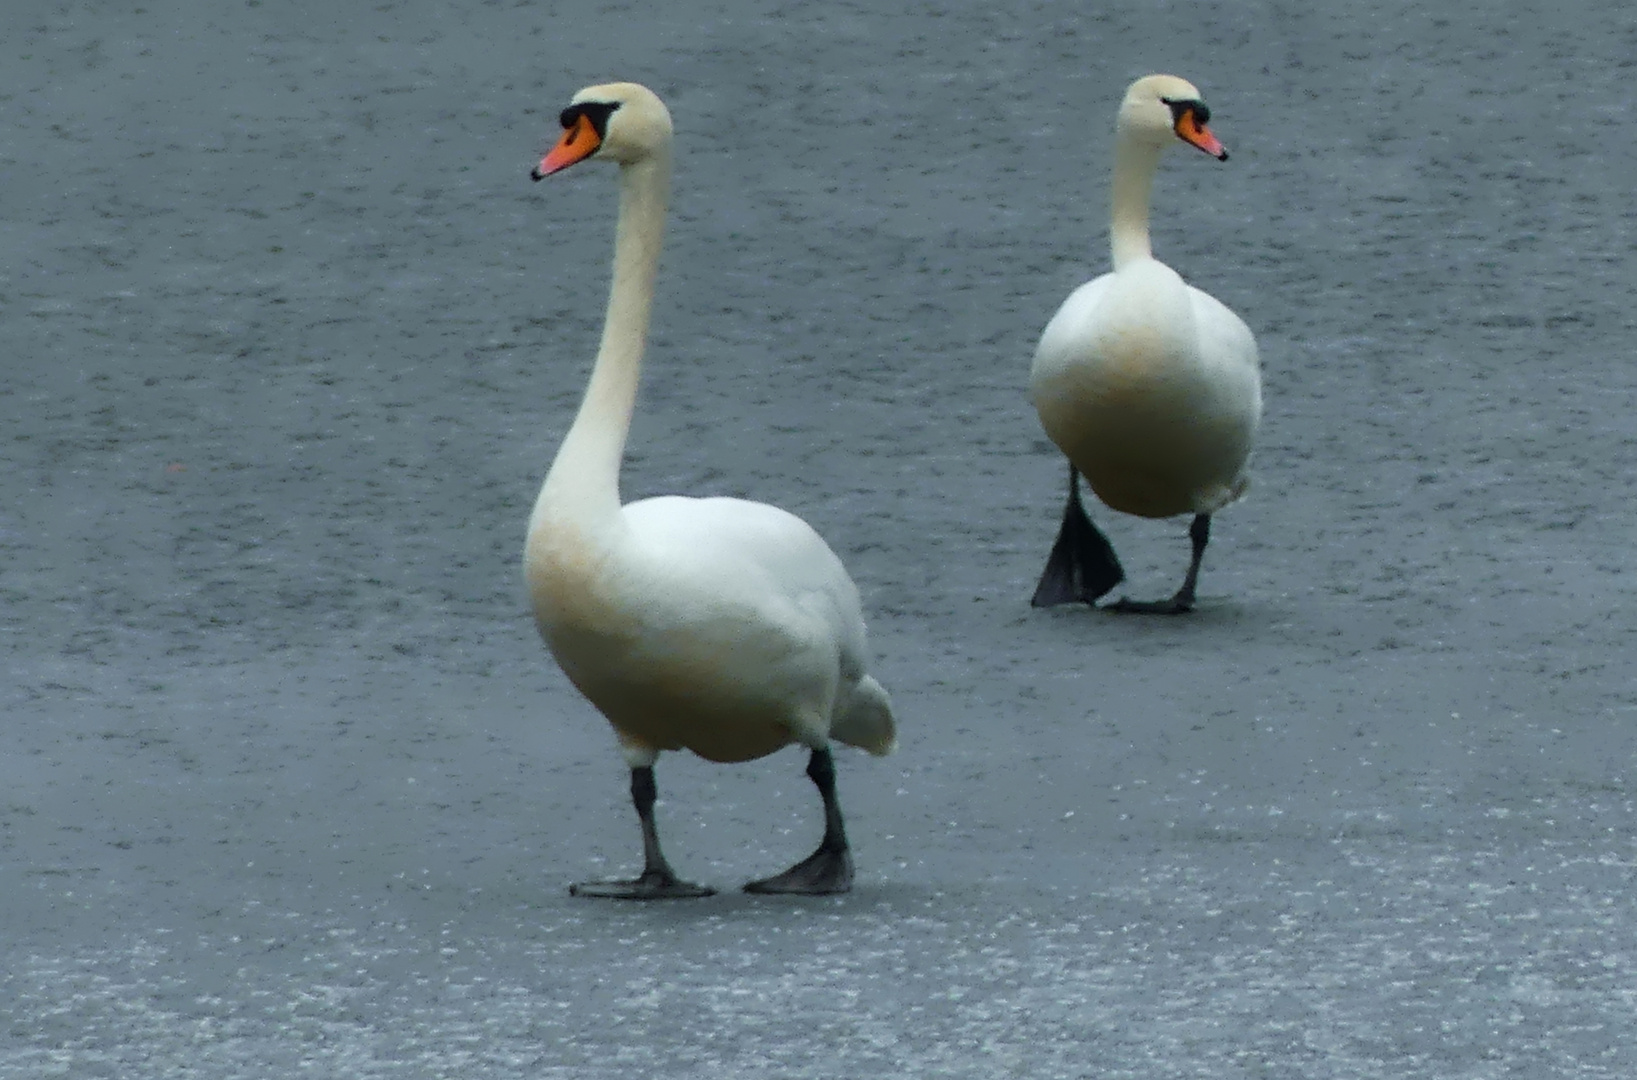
{"x": 1174, "y": 606}
{"x": 649, "y": 886}
{"x": 824, "y": 873}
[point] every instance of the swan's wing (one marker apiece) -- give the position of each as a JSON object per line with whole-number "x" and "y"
{"x": 1229, "y": 409}
{"x": 1222, "y": 330}
{"x": 759, "y": 589}
{"x": 767, "y": 565}
{"x": 1228, "y": 349}
{"x": 1065, "y": 339}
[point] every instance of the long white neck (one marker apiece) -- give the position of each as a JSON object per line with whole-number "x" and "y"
{"x": 1135, "y": 161}
{"x": 584, "y": 481}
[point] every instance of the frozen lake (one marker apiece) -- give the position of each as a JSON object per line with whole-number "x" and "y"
{"x": 288, "y": 785}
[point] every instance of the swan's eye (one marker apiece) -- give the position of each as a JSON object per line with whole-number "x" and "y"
{"x": 1182, "y": 107}
{"x": 597, "y": 112}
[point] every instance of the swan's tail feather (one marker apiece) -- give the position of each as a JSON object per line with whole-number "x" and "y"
{"x": 866, "y": 721}
{"x": 1213, "y": 498}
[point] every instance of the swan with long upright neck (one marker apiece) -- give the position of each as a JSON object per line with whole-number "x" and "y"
{"x": 1150, "y": 387}
{"x": 718, "y": 625}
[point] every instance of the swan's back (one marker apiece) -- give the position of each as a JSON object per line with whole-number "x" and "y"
{"x": 721, "y": 551}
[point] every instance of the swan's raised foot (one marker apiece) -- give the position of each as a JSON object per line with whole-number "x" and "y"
{"x": 826, "y": 872}
{"x": 650, "y": 886}
{"x": 1082, "y": 566}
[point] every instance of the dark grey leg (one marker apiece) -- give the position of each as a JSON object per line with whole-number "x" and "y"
{"x": 830, "y": 868}
{"x": 658, "y": 881}
{"x": 1199, "y": 533}
{"x": 1082, "y": 565}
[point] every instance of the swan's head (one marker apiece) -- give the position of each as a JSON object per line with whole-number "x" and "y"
{"x": 622, "y": 122}
{"x": 1158, "y": 107}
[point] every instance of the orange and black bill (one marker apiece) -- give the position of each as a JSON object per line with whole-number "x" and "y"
{"x": 585, "y": 126}
{"x": 580, "y": 140}
{"x": 1188, "y": 121}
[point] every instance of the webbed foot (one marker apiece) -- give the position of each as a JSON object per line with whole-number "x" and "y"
{"x": 824, "y": 873}
{"x": 650, "y": 886}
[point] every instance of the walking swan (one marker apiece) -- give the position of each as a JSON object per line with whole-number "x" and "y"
{"x": 722, "y": 626}
{"x": 1149, "y": 386}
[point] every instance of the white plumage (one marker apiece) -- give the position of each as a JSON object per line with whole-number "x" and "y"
{"x": 718, "y": 625}
{"x": 1149, "y": 386}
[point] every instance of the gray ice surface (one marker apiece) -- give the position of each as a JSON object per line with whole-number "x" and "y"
{"x": 288, "y": 786}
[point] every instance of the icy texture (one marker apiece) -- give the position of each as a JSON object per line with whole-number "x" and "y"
{"x": 289, "y": 788}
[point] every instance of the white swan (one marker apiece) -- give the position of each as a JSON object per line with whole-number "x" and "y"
{"x": 1149, "y": 386}
{"x": 718, "y": 625}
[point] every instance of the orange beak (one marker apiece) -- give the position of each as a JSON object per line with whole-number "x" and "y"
{"x": 578, "y": 143}
{"x": 1190, "y": 130}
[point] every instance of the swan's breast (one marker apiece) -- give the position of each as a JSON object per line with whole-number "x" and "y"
{"x": 1148, "y": 391}
{"x": 568, "y": 575}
